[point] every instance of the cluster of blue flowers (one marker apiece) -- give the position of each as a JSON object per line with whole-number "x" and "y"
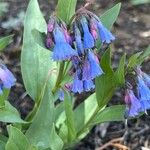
{"x": 141, "y": 102}
{"x": 78, "y": 45}
{"x": 7, "y": 79}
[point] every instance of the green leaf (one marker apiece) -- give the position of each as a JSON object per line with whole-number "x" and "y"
{"x": 9, "y": 114}
{"x": 4, "y": 97}
{"x": 5, "y": 41}
{"x": 39, "y": 38}
{"x": 112, "y": 113}
{"x": 40, "y": 129}
{"x": 66, "y": 9}
{"x": 120, "y": 72}
{"x": 33, "y": 148}
{"x": 2, "y": 145}
{"x": 59, "y": 109}
{"x": 35, "y": 60}
{"x": 139, "y": 2}
{"x": 110, "y": 16}
{"x": 84, "y": 112}
{"x": 105, "y": 84}
{"x": 3, "y": 140}
{"x": 106, "y": 62}
{"x": 57, "y": 143}
{"x": 69, "y": 117}
{"x": 133, "y": 61}
{"x": 145, "y": 55}
{"x": 17, "y": 140}
{"x": 63, "y": 132}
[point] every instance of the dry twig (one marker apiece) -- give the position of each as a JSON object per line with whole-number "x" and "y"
{"x": 115, "y": 143}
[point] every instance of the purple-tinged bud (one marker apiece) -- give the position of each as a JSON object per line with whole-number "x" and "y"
{"x": 133, "y": 104}
{"x": 68, "y": 86}
{"x": 67, "y": 36}
{"x": 62, "y": 50}
{"x": 144, "y": 94}
{"x": 50, "y": 26}
{"x": 49, "y": 41}
{"x": 79, "y": 44}
{"x": 88, "y": 40}
{"x": 7, "y": 79}
{"x": 93, "y": 28}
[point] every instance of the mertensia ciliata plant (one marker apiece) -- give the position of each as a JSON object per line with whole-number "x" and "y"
{"x": 61, "y": 59}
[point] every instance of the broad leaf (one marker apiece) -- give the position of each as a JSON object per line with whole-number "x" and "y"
{"x": 63, "y": 132}
{"x": 112, "y": 113}
{"x": 35, "y": 61}
{"x": 3, "y": 140}
{"x": 9, "y": 114}
{"x": 84, "y": 112}
{"x": 2, "y": 145}
{"x": 110, "y": 16}
{"x": 133, "y": 61}
{"x": 139, "y": 2}
{"x": 145, "y": 55}
{"x": 69, "y": 117}
{"x": 59, "y": 109}
{"x": 66, "y": 9}
{"x": 5, "y": 41}
{"x": 120, "y": 72}
{"x": 17, "y": 140}
{"x": 106, "y": 62}
{"x": 105, "y": 84}
{"x": 40, "y": 129}
{"x": 4, "y": 97}
{"x": 55, "y": 140}
{"x": 39, "y": 38}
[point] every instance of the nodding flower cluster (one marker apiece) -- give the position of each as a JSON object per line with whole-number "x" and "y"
{"x": 141, "y": 102}
{"x": 78, "y": 45}
{"x": 7, "y": 79}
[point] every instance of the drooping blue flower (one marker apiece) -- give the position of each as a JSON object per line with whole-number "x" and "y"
{"x": 144, "y": 94}
{"x": 146, "y": 78}
{"x": 91, "y": 68}
{"x": 77, "y": 86}
{"x": 104, "y": 34}
{"x": 7, "y": 79}
{"x": 62, "y": 50}
{"x": 133, "y": 104}
{"x": 78, "y": 41}
{"x": 88, "y": 40}
{"x": 88, "y": 85}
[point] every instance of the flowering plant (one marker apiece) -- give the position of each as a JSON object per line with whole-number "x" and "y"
{"x": 62, "y": 58}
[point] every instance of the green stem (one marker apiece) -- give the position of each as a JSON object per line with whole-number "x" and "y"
{"x": 66, "y": 68}
{"x": 68, "y": 146}
{"x": 59, "y": 77}
{"x": 89, "y": 121}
